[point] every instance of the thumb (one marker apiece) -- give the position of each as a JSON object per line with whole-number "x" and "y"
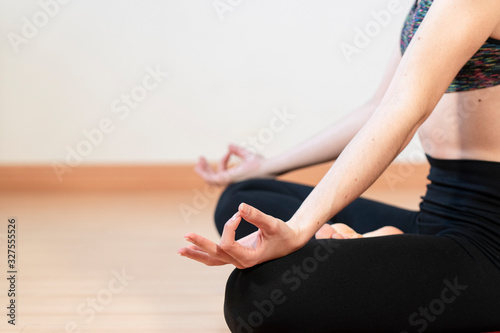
{"x": 239, "y": 151}
{"x": 266, "y": 223}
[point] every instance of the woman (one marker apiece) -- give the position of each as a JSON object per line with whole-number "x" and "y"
{"x": 443, "y": 273}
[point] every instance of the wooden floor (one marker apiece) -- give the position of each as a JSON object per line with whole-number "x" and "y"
{"x": 106, "y": 261}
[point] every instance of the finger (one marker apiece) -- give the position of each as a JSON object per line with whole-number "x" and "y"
{"x": 241, "y": 251}
{"x": 202, "y": 167}
{"x": 202, "y": 243}
{"x": 229, "y": 232}
{"x": 208, "y": 174}
{"x": 195, "y": 248}
{"x": 200, "y": 256}
{"x": 211, "y": 248}
{"x": 239, "y": 151}
{"x": 223, "y": 162}
{"x": 202, "y": 163}
{"x": 266, "y": 223}
{"x": 182, "y": 251}
{"x": 228, "y": 239}
{"x": 325, "y": 232}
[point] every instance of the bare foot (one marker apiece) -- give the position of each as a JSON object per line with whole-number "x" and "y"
{"x": 342, "y": 231}
{"x": 337, "y": 231}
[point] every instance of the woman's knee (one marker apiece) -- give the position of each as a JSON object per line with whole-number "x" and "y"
{"x": 227, "y": 201}
{"x": 261, "y": 298}
{"x": 249, "y": 306}
{"x": 228, "y": 204}
{"x": 231, "y": 198}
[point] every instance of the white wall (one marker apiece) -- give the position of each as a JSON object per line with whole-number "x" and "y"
{"x": 227, "y": 72}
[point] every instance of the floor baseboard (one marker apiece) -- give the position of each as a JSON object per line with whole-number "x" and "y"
{"x": 170, "y": 177}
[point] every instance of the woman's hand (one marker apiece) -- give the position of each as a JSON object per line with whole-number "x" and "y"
{"x": 251, "y": 166}
{"x": 342, "y": 231}
{"x": 274, "y": 239}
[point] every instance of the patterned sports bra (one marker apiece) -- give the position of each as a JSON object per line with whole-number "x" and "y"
{"x": 481, "y": 71}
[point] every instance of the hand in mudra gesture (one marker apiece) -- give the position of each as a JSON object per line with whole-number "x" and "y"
{"x": 274, "y": 239}
{"x": 252, "y": 165}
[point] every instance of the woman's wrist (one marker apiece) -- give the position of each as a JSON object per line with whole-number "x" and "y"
{"x": 269, "y": 167}
{"x": 277, "y": 165}
{"x": 301, "y": 235}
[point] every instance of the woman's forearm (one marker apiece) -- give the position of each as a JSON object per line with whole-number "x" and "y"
{"x": 375, "y": 146}
{"x": 323, "y": 147}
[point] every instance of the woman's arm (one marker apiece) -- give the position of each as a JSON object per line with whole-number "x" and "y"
{"x": 323, "y": 147}
{"x": 452, "y": 31}
{"x": 450, "y": 34}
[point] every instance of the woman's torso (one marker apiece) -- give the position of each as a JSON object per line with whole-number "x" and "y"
{"x": 465, "y": 124}
{"x": 462, "y": 139}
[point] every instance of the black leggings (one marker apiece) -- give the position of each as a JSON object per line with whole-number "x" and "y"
{"x": 282, "y": 199}
{"x": 402, "y": 283}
